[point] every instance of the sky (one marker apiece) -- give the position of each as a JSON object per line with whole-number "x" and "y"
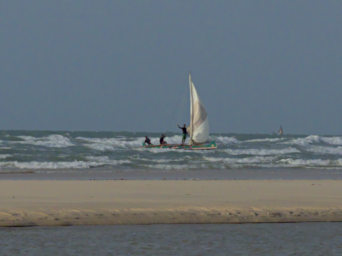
{"x": 123, "y": 65}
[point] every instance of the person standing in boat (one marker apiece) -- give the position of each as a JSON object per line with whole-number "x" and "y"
{"x": 147, "y": 141}
{"x": 185, "y": 132}
{"x": 161, "y": 140}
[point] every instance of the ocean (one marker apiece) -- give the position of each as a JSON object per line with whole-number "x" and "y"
{"x": 223, "y": 239}
{"x": 117, "y": 155}
{"x": 46, "y": 151}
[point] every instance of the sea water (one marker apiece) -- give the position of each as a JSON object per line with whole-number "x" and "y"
{"x": 49, "y": 150}
{"x": 80, "y": 155}
{"x": 225, "y": 239}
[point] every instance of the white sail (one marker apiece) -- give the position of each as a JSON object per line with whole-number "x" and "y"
{"x": 199, "y": 124}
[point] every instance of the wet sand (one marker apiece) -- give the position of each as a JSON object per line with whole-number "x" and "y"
{"x": 108, "y": 202}
{"x": 162, "y": 174}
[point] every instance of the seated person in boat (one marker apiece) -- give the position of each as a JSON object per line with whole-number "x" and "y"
{"x": 147, "y": 141}
{"x": 185, "y": 132}
{"x": 161, "y": 140}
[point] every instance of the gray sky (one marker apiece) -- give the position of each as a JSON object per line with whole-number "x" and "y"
{"x": 123, "y": 65}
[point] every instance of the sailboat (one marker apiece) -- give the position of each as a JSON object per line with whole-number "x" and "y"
{"x": 198, "y": 128}
{"x": 280, "y": 131}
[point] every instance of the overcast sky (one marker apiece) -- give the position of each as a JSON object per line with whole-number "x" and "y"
{"x": 123, "y": 65}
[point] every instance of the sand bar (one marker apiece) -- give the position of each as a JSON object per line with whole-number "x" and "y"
{"x": 109, "y": 202}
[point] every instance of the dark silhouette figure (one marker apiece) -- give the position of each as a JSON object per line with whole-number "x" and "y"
{"x": 185, "y": 132}
{"x": 161, "y": 140}
{"x": 147, "y": 141}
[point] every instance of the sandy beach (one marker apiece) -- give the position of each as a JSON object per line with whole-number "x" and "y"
{"x": 109, "y": 202}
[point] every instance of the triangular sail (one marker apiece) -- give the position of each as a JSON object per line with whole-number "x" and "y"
{"x": 199, "y": 124}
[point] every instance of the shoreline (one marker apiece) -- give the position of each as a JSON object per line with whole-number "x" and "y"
{"x": 112, "y": 202}
{"x": 162, "y": 174}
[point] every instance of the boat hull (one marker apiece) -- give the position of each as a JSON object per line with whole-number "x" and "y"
{"x": 205, "y": 146}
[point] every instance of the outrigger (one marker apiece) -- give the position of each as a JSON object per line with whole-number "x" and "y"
{"x": 198, "y": 129}
{"x": 206, "y": 146}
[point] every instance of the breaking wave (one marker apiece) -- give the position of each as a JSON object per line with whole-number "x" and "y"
{"x": 247, "y": 160}
{"x": 82, "y": 150}
{"x": 59, "y": 165}
{"x": 110, "y": 144}
{"x": 4, "y": 156}
{"x": 262, "y": 152}
{"x": 52, "y": 141}
{"x": 49, "y": 165}
{"x": 304, "y": 141}
{"x": 332, "y": 140}
{"x": 265, "y": 140}
{"x": 227, "y": 140}
{"x": 315, "y": 139}
{"x": 325, "y": 150}
{"x": 311, "y": 163}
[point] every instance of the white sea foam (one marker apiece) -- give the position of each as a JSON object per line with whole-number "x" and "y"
{"x": 246, "y": 160}
{"x": 325, "y": 150}
{"x": 110, "y": 144}
{"x": 48, "y": 165}
{"x": 316, "y": 139}
{"x": 58, "y": 165}
{"x": 304, "y": 141}
{"x": 332, "y": 140}
{"x": 98, "y": 158}
{"x": 4, "y": 156}
{"x": 53, "y": 141}
{"x": 167, "y": 160}
{"x": 290, "y": 162}
{"x": 105, "y": 160}
{"x": 273, "y": 162}
{"x": 262, "y": 152}
{"x": 227, "y": 140}
{"x": 169, "y": 166}
{"x": 265, "y": 140}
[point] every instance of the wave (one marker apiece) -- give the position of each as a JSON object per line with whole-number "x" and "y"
{"x": 262, "y": 152}
{"x": 59, "y": 165}
{"x": 227, "y": 140}
{"x": 170, "y": 167}
{"x": 110, "y": 144}
{"x": 49, "y": 165}
{"x": 265, "y": 140}
{"x": 304, "y": 141}
{"x": 4, "y": 156}
{"x": 315, "y": 139}
{"x": 247, "y": 160}
{"x": 52, "y": 141}
{"x": 124, "y": 150}
{"x": 325, "y": 150}
{"x": 105, "y": 160}
{"x": 332, "y": 140}
{"x": 290, "y": 162}
{"x": 163, "y": 160}
{"x": 163, "y": 151}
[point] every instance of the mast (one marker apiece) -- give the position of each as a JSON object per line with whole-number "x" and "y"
{"x": 191, "y": 109}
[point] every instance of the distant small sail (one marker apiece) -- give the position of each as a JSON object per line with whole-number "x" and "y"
{"x": 280, "y": 131}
